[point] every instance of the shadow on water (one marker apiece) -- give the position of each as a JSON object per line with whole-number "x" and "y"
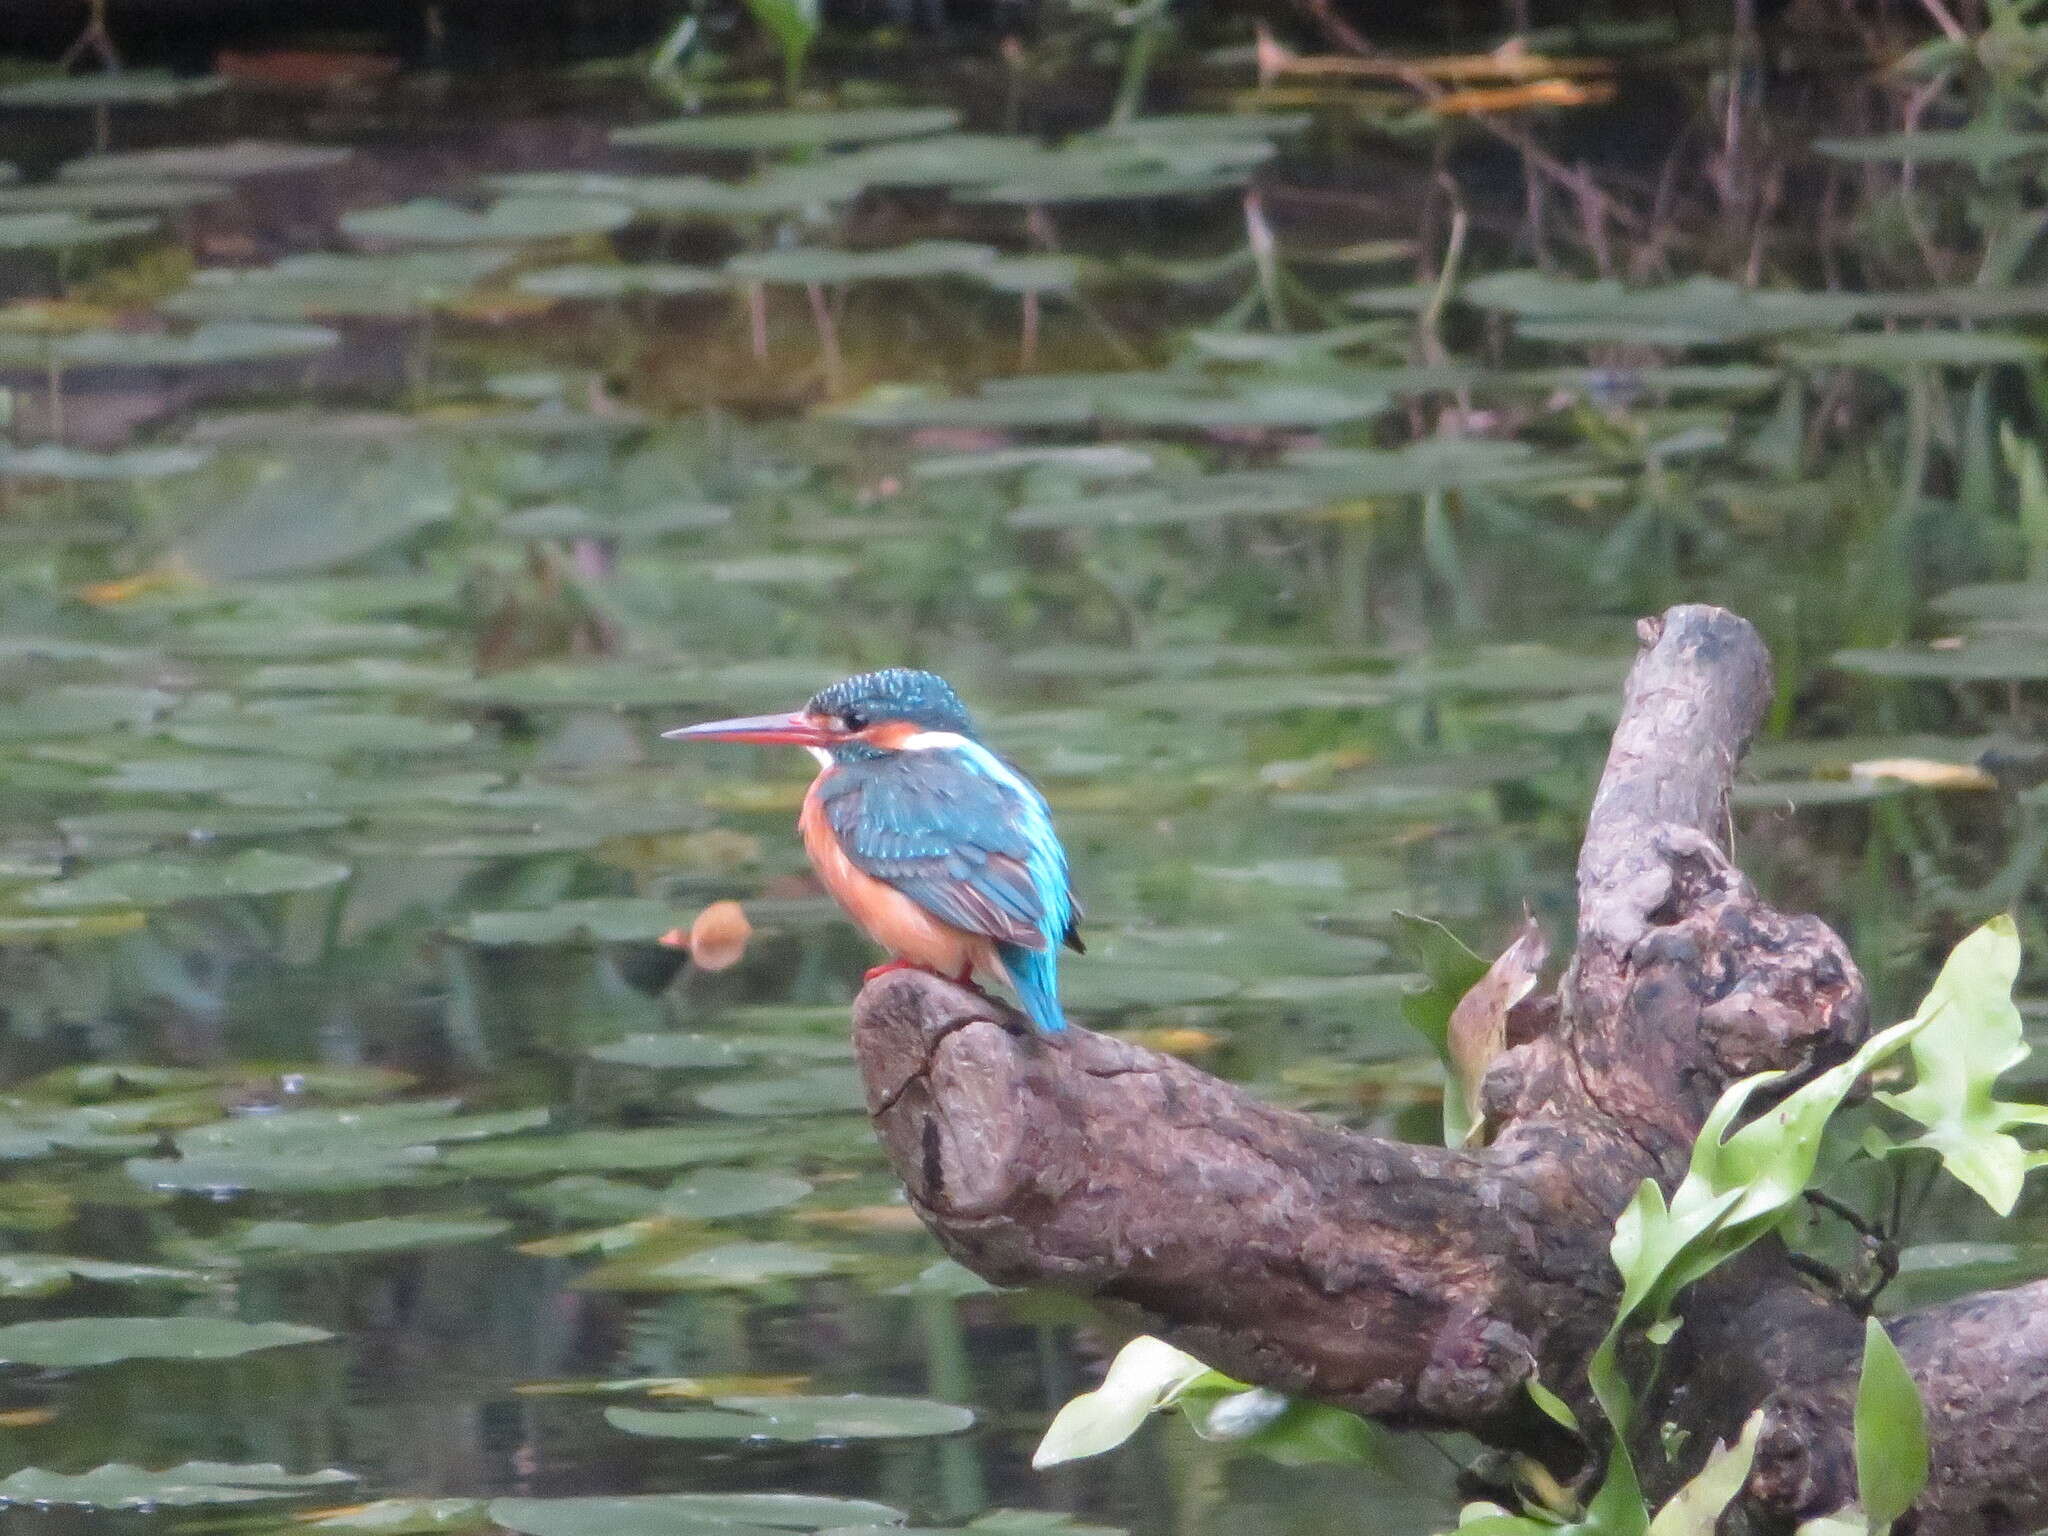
{"x": 394, "y": 448}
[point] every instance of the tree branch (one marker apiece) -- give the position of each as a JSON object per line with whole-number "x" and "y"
{"x": 1425, "y": 1286}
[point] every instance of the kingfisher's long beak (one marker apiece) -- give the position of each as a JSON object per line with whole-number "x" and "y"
{"x": 794, "y": 730}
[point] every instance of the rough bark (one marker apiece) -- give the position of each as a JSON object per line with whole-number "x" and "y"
{"x": 1424, "y": 1286}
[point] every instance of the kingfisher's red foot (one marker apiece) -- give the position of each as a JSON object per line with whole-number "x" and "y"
{"x": 886, "y": 967}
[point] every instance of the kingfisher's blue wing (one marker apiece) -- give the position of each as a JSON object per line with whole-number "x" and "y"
{"x": 960, "y": 833}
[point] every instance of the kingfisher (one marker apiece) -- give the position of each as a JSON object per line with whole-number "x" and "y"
{"x": 939, "y": 850}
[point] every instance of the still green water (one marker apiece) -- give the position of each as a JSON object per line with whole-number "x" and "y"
{"x": 355, "y": 549}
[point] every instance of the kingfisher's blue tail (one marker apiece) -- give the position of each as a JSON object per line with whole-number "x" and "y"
{"x": 1035, "y": 975}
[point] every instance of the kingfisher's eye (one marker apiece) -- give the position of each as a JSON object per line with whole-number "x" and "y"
{"x": 854, "y": 721}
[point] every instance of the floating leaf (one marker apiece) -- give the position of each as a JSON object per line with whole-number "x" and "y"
{"x": 755, "y": 131}
{"x": 589, "y": 280}
{"x": 69, "y": 1342}
{"x": 300, "y": 1241}
{"x": 732, "y": 1266}
{"x": 52, "y": 462}
{"x": 707, "y": 1194}
{"x": 164, "y": 882}
{"x": 685, "y": 1514}
{"x": 669, "y": 1053}
{"x": 45, "y": 1274}
{"x": 921, "y": 259}
{"x": 207, "y": 162}
{"x": 119, "y": 1485}
{"x": 821, "y": 1090}
{"x": 408, "y": 1517}
{"x": 111, "y": 88}
{"x": 322, "y": 734}
{"x": 113, "y": 196}
{"x": 606, "y": 1151}
{"x": 508, "y": 221}
{"x": 854, "y": 1416}
{"x": 65, "y": 229}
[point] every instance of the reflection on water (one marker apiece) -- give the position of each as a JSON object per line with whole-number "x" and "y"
{"x": 366, "y": 518}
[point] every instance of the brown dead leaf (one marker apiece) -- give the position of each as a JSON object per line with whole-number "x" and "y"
{"x": 864, "y": 1218}
{"x": 1479, "y": 1024}
{"x": 718, "y": 938}
{"x": 1174, "y": 1040}
{"x": 1926, "y": 773}
{"x": 26, "y": 1418}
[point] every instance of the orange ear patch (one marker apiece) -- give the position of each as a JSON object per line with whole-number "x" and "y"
{"x": 890, "y": 735}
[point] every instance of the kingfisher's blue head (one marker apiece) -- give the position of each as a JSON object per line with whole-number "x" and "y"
{"x": 859, "y": 717}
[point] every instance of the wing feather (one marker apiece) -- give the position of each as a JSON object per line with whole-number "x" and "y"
{"x": 973, "y": 847}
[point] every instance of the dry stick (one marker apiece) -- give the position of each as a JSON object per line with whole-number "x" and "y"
{"x": 1265, "y": 257}
{"x": 757, "y": 319}
{"x": 828, "y": 338}
{"x": 1950, "y": 27}
{"x": 1509, "y": 133}
{"x": 1027, "y": 346}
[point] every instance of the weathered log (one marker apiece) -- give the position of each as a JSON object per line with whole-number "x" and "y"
{"x": 1425, "y": 1286}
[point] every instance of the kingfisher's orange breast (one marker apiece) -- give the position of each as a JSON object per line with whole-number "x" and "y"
{"x": 884, "y": 913}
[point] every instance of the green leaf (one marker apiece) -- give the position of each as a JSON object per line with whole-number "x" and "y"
{"x": 853, "y": 1416}
{"x": 1450, "y": 971}
{"x": 119, "y": 1485}
{"x": 1696, "y": 1508}
{"x": 1146, "y": 1375}
{"x": 686, "y": 1514}
{"x": 1972, "y": 1034}
{"x": 1554, "y": 1407}
{"x": 1891, "y": 1431}
{"x": 794, "y": 26}
{"x": 408, "y": 1517}
{"x": 77, "y": 1341}
{"x": 163, "y": 882}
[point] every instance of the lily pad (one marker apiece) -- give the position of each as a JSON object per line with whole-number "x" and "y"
{"x": 164, "y": 882}
{"x": 732, "y": 1266}
{"x": 508, "y": 221}
{"x": 708, "y": 1194}
{"x": 45, "y": 1274}
{"x": 207, "y": 162}
{"x": 1977, "y": 661}
{"x": 59, "y": 229}
{"x": 614, "y": 919}
{"x": 321, "y": 285}
{"x": 70, "y": 1342}
{"x": 685, "y": 1514}
{"x": 111, "y": 88}
{"x": 920, "y": 259}
{"x": 118, "y": 1485}
{"x": 670, "y": 1053}
{"x": 409, "y": 1517}
{"x": 295, "y": 1241}
{"x": 113, "y": 196}
{"x": 322, "y": 734}
{"x": 590, "y": 280}
{"x": 853, "y": 1416}
{"x": 607, "y": 1151}
{"x": 49, "y": 461}
{"x": 749, "y": 132}
{"x": 821, "y": 1090}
